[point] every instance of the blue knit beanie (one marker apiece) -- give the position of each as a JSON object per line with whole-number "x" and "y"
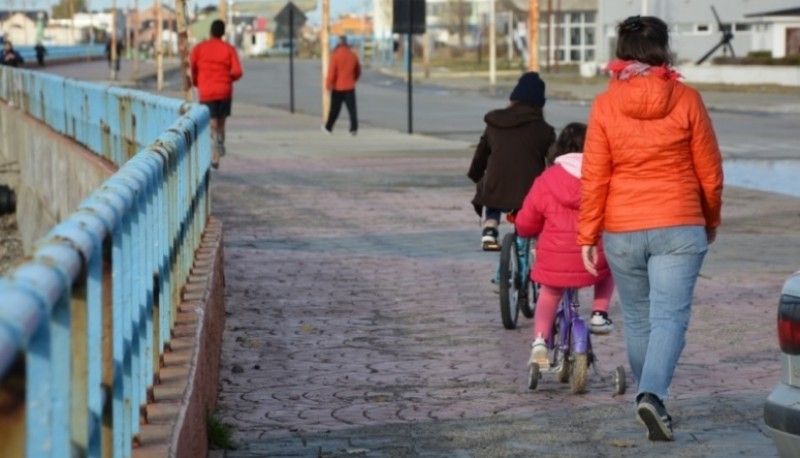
{"x": 530, "y": 88}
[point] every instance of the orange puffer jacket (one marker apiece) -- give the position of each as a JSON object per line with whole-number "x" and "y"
{"x": 650, "y": 159}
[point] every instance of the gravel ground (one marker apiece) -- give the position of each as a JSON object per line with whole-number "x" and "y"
{"x": 10, "y": 243}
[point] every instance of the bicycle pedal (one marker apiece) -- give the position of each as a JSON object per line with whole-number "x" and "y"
{"x": 489, "y": 246}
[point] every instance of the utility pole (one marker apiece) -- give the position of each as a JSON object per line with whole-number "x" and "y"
{"x": 426, "y": 53}
{"x": 324, "y": 40}
{"x": 91, "y": 29}
{"x": 127, "y": 29}
{"x": 183, "y": 48}
{"x": 136, "y": 26}
{"x": 533, "y": 35}
{"x": 549, "y": 31}
{"x": 492, "y": 44}
{"x": 25, "y": 29}
{"x": 159, "y": 47}
{"x": 72, "y": 20}
{"x": 114, "y": 38}
{"x": 230, "y": 28}
{"x": 559, "y": 23}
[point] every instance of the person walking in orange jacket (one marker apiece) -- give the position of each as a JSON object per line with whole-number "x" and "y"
{"x": 343, "y": 72}
{"x": 215, "y": 66}
{"x": 652, "y": 188}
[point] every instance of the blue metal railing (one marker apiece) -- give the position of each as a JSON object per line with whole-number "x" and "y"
{"x": 63, "y": 52}
{"x": 84, "y": 321}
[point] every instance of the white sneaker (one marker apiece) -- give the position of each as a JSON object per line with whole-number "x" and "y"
{"x": 539, "y": 353}
{"x": 324, "y": 129}
{"x": 600, "y": 323}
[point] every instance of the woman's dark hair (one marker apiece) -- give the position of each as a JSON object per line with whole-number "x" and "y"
{"x": 645, "y": 39}
{"x": 217, "y": 28}
{"x": 570, "y": 140}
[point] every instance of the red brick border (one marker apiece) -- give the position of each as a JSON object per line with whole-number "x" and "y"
{"x": 176, "y": 419}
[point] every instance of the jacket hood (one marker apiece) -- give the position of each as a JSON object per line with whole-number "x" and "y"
{"x": 565, "y": 187}
{"x": 571, "y": 162}
{"x": 644, "y": 92}
{"x": 517, "y": 114}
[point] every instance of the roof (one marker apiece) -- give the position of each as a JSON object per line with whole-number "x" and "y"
{"x": 32, "y": 14}
{"x": 269, "y": 8}
{"x": 784, "y": 12}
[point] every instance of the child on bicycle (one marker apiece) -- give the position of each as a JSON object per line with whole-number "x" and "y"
{"x": 510, "y": 155}
{"x": 550, "y": 213}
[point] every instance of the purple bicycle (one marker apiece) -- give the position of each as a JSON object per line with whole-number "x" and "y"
{"x": 570, "y": 346}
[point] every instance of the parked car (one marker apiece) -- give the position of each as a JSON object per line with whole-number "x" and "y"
{"x": 281, "y": 48}
{"x": 782, "y": 409}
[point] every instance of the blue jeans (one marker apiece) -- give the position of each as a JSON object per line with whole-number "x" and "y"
{"x": 492, "y": 213}
{"x": 655, "y": 272}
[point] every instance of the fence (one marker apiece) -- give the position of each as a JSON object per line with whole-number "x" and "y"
{"x": 85, "y": 320}
{"x": 63, "y": 52}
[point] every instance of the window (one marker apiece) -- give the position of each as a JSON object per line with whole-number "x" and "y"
{"x": 702, "y": 28}
{"x": 575, "y": 55}
{"x": 575, "y": 36}
{"x": 743, "y": 27}
{"x": 589, "y": 17}
{"x": 589, "y": 55}
{"x": 589, "y": 36}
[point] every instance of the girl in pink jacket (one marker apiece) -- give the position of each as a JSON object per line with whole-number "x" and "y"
{"x": 550, "y": 213}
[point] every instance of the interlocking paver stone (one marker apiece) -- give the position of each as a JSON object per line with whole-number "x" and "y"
{"x": 355, "y": 282}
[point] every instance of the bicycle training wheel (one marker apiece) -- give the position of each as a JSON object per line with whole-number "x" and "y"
{"x": 509, "y": 282}
{"x": 533, "y": 375}
{"x": 619, "y": 380}
{"x": 527, "y": 303}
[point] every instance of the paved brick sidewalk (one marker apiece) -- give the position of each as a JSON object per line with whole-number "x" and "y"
{"x": 361, "y": 320}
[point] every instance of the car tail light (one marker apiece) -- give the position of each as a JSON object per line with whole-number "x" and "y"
{"x": 789, "y": 324}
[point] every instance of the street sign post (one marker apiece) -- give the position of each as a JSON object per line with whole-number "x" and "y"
{"x": 408, "y": 16}
{"x": 290, "y": 17}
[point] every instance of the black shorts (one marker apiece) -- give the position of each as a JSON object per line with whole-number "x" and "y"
{"x": 219, "y": 108}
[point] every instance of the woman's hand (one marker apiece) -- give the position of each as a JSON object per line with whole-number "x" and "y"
{"x": 589, "y": 255}
{"x": 711, "y": 234}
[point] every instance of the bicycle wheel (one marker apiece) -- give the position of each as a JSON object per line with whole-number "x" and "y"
{"x": 580, "y": 373}
{"x": 509, "y": 282}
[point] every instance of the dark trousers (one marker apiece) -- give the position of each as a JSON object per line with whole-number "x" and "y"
{"x": 349, "y": 99}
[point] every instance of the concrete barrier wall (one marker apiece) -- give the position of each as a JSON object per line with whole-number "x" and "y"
{"x": 52, "y": 174}
{"x": 742, "y": 74}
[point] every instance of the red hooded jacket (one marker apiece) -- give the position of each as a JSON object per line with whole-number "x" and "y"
{"x": 215, "y": 66}
{"x": 550, "y": 213}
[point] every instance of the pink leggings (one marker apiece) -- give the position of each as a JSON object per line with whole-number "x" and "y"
{"x": 549, "y": 297}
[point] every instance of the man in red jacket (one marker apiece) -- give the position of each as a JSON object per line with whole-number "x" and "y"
{"x": 215, "y": 66}
{"x": 343, "y": 72}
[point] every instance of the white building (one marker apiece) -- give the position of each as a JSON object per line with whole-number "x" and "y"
{"x": 694, "y": 29}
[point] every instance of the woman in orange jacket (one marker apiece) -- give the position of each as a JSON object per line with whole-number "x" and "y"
{"x": 652, "y": 188}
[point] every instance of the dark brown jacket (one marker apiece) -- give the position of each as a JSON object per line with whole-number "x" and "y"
{"x": 511, "y": 154}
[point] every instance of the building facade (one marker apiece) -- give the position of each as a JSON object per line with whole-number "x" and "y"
{"x": 695, "y": 30}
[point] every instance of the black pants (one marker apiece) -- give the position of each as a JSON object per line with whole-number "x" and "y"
{"x": 349, "y": 99}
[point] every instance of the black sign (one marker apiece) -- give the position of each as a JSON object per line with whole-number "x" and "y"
{"x": 284, "y": 17}
{"x": 408, "y": 15}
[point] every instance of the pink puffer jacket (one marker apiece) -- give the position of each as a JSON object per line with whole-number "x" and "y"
{"x": 550, "y": 213}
